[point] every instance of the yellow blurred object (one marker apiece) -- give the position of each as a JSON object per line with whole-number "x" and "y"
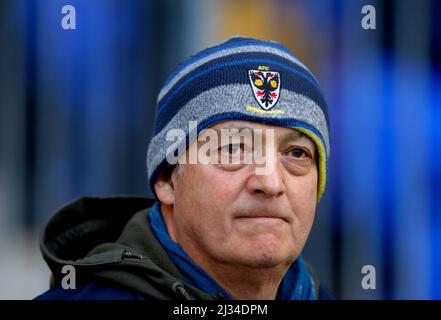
{"x": 279, "y": 20}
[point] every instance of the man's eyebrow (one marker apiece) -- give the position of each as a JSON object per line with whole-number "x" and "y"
{"x": 296, "y": 135}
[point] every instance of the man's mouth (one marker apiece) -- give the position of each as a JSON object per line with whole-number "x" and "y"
{"x": 262, "y": 217}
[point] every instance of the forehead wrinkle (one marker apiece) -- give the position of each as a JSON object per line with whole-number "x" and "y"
{"x": 234, "y": 132}
{"x": 293, "y": 134}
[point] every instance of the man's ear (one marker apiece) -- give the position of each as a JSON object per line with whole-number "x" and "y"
{"x": 164, "y": 189}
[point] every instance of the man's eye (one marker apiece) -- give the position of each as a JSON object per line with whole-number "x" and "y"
{"x": 299, "y": 153}
{"x": 232, "y": 148}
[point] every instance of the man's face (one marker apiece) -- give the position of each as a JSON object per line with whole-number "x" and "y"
{"x": 230, "y": 214}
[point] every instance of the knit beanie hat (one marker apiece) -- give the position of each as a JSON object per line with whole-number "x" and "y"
{"x": 240, "y": 79}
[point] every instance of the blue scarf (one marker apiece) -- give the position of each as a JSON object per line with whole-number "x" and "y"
{"x": 297, "y": 283}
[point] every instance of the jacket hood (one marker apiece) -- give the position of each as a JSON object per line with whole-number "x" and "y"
{"x": 110, "y": 239}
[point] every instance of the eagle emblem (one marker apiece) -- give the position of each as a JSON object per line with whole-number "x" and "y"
{"x": 266, "y": 87}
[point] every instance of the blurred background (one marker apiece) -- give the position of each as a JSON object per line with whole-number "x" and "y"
{"x": 77, "y": 107}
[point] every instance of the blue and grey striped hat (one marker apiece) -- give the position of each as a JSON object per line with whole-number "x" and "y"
{"x": 240, "y": 79}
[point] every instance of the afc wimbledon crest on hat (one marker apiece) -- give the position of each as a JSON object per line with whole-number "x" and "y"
{"x": 266, "y": 86}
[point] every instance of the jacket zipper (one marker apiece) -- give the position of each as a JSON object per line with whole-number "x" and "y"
{"x": 179, "y": 289}
{"x": 128, "y": 254}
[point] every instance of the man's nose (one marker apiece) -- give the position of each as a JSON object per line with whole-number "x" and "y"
{"x": 269, "y": 182}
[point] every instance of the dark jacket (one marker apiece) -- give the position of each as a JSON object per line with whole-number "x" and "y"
{"x": 115, "y": 254}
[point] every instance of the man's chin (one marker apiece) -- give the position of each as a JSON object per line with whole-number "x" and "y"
{"x": 263, "y": 258}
